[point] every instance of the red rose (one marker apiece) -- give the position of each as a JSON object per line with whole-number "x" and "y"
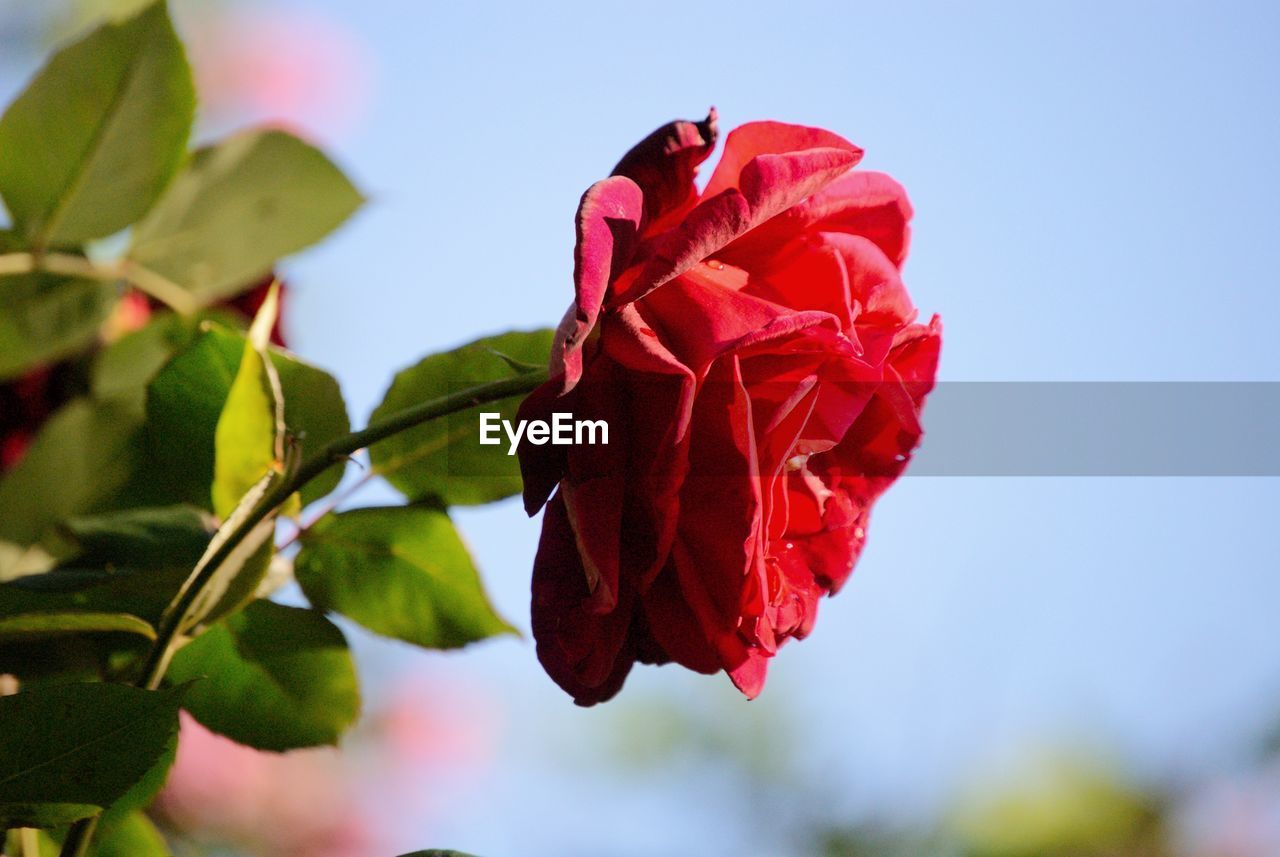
{"x": 756, "y": 357}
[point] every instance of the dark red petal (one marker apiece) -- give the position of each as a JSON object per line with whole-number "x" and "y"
{"x": 542, "y": 467}
{"x": 718, "y": 554}
{"x": 595, "y": 513}
{"x": 13, "y": 446}
{"x": 664, "y": 165}
{"x": 720, "y": 499}
{"x": 656, "y": 393}
{"x": 608, "y": 223}
{"x": 588, "y": 654}
{"x": 703, "y": 315}
{"x": 786, "y": 164}
{"x": 674, "y": 627}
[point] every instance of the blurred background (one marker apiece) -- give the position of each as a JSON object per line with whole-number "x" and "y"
{"x": 1020, "y": 666}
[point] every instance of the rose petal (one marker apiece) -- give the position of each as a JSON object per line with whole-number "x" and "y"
{"x": 874, "y": 453}
{"x": 542, "y": 467}
{"x": 608, "y": 224}
{"x": 699, "y": 318}
{"x": 807, "y": 274}
{"x": 787, "y": 163}
{"x": 664, "y": 165}
{"x": 874, "y": 280}
{"x": 587, "y": 654}
{"x": 863, "y": 202}
{"x": 675, "y": 628}
{"x": 749, "y": 672}
{"x": 755, "y": 139}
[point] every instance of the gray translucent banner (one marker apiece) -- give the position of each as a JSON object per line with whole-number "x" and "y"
{"x": 1101, "y": 429}
{"x": 1014, "y": 429}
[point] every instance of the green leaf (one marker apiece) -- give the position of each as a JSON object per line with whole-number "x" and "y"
{"x": 249, "y": 438}
{"x": 239, "y": 206}
{"x": 126, "y": 366}
{"x": 160, "y": 537}
{"x": 248, "y": 460}
{"x": 443, "y": 459}
{"x": 120, "y": 833}
{"x": 45, "y": 318}
{"x": 315, "y": 414}
{"x": 83, "y": 457}
{"x": 130, "y": 835}
{"x": 144, "y": 791}
{"x": 89, "y": 145}
{"x": 138, "y": 591}
{"x": 186, "y": 399}
{"x": 25, "y": 626}
{"x": 400, "y": 571}
{"x": 46, "y": 814}
{"x": 121, "y": 562}
{"x": 131, "y": 562}
{"x": 184, "y": 402}
{"x": 80, "y": 744}
{"x": 279, "y": 678}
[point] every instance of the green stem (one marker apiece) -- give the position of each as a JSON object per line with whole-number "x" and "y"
{"x": 70, "y": 265}
{"x": 331, "y": 505}
{"x": 79, "y": 836}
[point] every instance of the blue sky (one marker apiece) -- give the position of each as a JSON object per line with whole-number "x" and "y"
{"x": 1095, "y": 187}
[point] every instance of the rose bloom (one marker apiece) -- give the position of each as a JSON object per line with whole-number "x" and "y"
{"x": 756, "y": 356}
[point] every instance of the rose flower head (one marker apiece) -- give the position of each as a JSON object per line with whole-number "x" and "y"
{"x": 758, "y": 361}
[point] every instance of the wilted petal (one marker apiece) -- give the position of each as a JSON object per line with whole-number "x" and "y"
{"x": 608, "y": 225}
{"x": 664, "y": 165}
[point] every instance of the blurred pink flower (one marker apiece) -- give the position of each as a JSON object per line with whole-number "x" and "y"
{"x": 1237, "y": 817}
{"x": 288, "y": 66}
{"x": 386, "y": 784}
{"x": 438, "y": 723}
{"x": 437, "y": 738}
{"x": 283, "y": 805}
